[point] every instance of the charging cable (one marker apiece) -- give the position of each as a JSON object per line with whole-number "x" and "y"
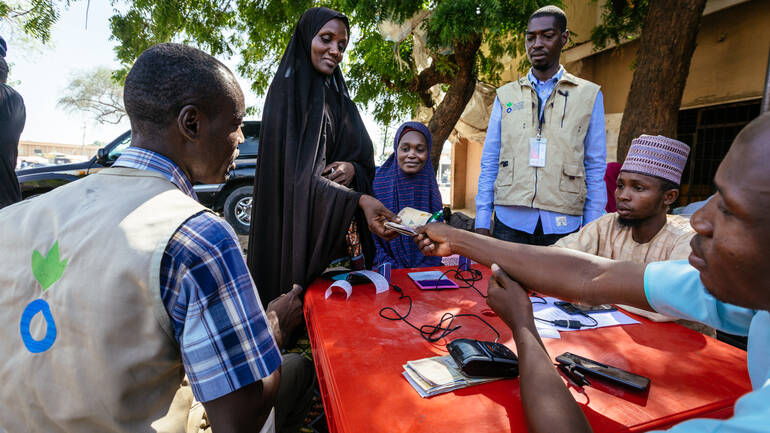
{"x": 431, "y": 333}
{"x": 571, "y": 324}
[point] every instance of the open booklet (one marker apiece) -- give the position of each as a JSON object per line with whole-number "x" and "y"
{"x": 439, "y": 374}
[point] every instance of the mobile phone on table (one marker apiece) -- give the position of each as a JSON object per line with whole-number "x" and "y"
{"x": 577, "y": 309}
{"x": 607, "y": 372}
{"x": 432, "y": 280}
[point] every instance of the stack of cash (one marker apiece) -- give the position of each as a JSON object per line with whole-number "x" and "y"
{"x": 437, "y": 375}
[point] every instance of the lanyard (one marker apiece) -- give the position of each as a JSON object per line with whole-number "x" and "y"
{"x": 540, "y": 115}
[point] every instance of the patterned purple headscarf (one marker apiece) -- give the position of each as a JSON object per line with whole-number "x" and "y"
{"x": 397, "y": 190}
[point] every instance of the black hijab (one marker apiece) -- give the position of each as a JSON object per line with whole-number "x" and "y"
{"x": 299, "y": 219}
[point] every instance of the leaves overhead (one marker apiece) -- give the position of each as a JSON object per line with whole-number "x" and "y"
{"x": 621, "y": 19}
{"x": 258, "y": 32}
{"x": 34, "y": 17}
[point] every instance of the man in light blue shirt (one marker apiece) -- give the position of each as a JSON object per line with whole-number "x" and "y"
{"x": 525, "y": 222}
{"x": 725, "y": 285}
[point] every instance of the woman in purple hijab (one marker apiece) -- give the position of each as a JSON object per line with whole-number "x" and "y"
{"x": 407, "y": 179}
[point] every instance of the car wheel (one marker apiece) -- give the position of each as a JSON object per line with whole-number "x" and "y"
{"x": 237, "y": 209}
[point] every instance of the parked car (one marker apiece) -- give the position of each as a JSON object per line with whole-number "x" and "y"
{"x": 232, "y": 198}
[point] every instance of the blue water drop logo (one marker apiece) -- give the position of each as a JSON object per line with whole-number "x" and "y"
{"x": 33, "y": 308}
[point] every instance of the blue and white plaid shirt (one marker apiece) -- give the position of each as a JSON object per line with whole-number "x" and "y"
{"x": 210, "y": 297}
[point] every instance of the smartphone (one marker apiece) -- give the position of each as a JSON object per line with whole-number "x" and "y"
{"x": 577, "y": 309}
{"x": 607, "y": 372}
{"x": 432, "y": 280}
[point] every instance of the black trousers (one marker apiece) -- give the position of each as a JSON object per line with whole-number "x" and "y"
{"x": 295, "y": 393}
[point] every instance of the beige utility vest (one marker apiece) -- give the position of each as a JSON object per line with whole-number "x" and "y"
{"x": 560, "y": 186}
{"x": 112, "y": 364}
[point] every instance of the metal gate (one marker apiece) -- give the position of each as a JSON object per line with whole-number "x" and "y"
{"x": 709, "y": 131}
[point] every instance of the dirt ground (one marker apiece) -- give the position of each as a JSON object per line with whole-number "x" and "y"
{"x": 244, "y": 240}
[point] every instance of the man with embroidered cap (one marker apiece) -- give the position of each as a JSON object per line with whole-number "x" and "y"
{"x": 118, "y": 284}
{"x": 13, "y": 115}
{"x": 641, "y": 231}
{"x": 544, "y": 156}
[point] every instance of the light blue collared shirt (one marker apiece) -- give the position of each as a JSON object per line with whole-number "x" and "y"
{"x": 525, "y": 218}
{"x": 674, "y": 288}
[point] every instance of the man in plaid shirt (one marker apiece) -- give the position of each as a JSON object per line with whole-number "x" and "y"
{"x": 230, "y": 358}
{"x": 126, "y": 355}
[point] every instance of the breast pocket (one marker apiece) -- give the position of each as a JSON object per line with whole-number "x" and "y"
{"x": 505, "y": 172}
{"x": 572, "y": 179}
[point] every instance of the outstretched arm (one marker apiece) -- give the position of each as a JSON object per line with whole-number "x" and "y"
{"x": 566, "y": 274}
{"x": 548, "y": 405}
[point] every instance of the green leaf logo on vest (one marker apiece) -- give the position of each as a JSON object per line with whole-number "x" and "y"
{"x": 47, "y": 270}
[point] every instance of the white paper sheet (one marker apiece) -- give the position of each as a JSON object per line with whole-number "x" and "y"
{"x": 380, "y": 284}
{"x": 549, "y": 312}
{"x": 340, "y": 284}
{"x": 547, "y": 331}
{"x": 544, "y": 329}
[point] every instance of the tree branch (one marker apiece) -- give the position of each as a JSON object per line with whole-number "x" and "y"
{"x": 461, "y": 89}
{"x": 426, "y": 79}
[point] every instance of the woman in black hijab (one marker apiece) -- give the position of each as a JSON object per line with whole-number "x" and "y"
{"x": 315, "y": 165}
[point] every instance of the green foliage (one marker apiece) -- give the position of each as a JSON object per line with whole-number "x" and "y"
{"x": 95, "y": 92}
{"x": 258, "y": 31}
{"x": 621, "y": 19}
{"x": 384, "y": 87}
{"x": 33, "y": 17}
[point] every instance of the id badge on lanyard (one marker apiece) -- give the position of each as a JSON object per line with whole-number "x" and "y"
{"x": 537, "y": 151}
{"x": 537, "y": 145}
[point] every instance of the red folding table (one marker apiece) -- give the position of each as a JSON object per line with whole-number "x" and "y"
{"x": 359, "y": 358}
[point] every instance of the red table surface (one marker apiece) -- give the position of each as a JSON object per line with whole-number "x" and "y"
{"x": 359, "y": 358}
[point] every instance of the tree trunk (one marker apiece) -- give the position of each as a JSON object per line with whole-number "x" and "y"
{"x": 663, "y": 63}
{"x": 456, "y": 98}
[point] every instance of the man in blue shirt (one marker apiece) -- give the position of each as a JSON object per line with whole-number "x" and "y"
{"x": 558, "y": 120}
{"x": 725, "y": 285}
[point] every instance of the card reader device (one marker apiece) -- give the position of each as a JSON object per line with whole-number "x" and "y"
{"x": 483, "y": 358}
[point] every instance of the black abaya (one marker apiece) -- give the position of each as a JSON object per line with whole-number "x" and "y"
{"x": 299, "y": 218}
{"x": 12, "y": 118}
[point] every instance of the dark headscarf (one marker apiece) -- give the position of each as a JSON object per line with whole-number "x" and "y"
{"x": 299, "y": 219}
{"x": 397, "y": 190}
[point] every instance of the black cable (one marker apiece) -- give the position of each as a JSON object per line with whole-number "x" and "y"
{"x": 434, "y": 333}
{"x": 571, "y": 324}
{"x": 573, "y": 374}
{"x": 469, "y": 277}
{"x": 431, "y": 333}
{"x": 470, "y": 281}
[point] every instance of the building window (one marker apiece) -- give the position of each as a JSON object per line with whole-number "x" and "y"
{"x": 709, "y": 131}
